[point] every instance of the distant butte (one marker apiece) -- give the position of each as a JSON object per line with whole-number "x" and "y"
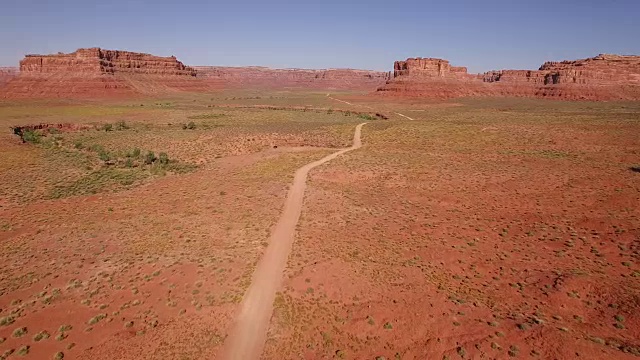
{"x": 604, "y": 77}
{"x": 98, "y": 72}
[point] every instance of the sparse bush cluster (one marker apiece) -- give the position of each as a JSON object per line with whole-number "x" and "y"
{"x": 131, "y": 158}
{"x": 367, "y": 117}
{"x": 190, "y": 126}
{"x": 31, "y": 136}
{"x": 118, "y": 126}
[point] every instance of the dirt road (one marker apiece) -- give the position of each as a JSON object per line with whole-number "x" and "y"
{"x": 368, "y": 107}
{"x": 249, "y": 334}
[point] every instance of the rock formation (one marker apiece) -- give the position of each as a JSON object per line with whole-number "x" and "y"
{"x": 99, "y": 72}
{"x": 263, "y": 77}
{"x": 99, "y": 61}
{"x": 430, "y": 68}
{"x": 604, "y": 77}
{"x": 430, "y": 77}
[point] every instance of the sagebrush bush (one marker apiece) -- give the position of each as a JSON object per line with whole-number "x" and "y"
{"x": 150, "y": 158}
{"x": 31, "y": 136}
{"x": 121, "y": 125}
{"x": 163, "y": 158}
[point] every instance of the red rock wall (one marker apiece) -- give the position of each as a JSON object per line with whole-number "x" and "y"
{"x": 97, "y": 72}
{"x": 262, "y": 77}
{"x": 429, "y": 68}
{"x": 99, "y": 61}
{"x": 604, "y": 77}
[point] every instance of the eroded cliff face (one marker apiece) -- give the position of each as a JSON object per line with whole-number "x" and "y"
{"x": 430, "y": 68}
{"x": 604, "y": 77}
{"x": 96, "y": 72}
{"x": 600, "y": 70}
{"x": 99, "y": 61}
{"x": 263, "y": 77}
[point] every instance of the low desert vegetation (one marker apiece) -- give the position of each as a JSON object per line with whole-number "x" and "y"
{"x": 153, "y": 224}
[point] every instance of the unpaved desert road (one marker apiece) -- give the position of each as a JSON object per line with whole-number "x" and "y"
{"x": 247, "y": 338}
{"x": 368, "y": 107}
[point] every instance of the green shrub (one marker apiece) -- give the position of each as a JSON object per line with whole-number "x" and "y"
{"x": 31, "y": 136}
{"x": 107, "y": 127}
{"x": 136, "y": 152}
{"x": 121, "y": 125}
{"x": 97, "y": 148}
{"x": 104, "y": 156}
{"x": 163, "y": 158}
{"x": 150, "y": 158}
{"x": 191, "y": 125}
{"x": 367, "y": 117}
{"x": 78, "y": 145}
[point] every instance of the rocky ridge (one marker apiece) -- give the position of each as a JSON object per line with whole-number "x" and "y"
{"x": 264, "y": 77}
{"x": 604, "y": 77}
{"x": 98, "y": 72}
{"x": 100, "y": 61}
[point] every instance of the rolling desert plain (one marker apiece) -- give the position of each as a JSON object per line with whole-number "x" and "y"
{"x": 154, "y": 210}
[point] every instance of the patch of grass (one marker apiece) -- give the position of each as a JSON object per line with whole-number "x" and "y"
{"x": 31, "y": 136}
{"x": 189, "y": 126}
{"x": 513, "y": 351}
{"x": 121, "y": 125}
{"x": 367, "y": 117}
{"x": 163, "y": 158}
{"x": 23, "y": 350}
{"x": 150, "y": 158}
{"x": 42, "y": 335}
{"x": 7, "y": 320}
{"x": 19, "y": 332}
{"x": 96, "y": 319}
{"x": 99, "y": 181}
{"x": 370, "y": 320}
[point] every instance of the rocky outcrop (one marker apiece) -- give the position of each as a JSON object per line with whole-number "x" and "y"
{"x": 99, "y": 61}
{"x": 604, "y": 77}
{"x": 432, "y": 78}
{"x": 600, "y": 70}
{"x": 430, "y": 68}
{"x": 98, "y": 72}
{"x": 263, "y": 77}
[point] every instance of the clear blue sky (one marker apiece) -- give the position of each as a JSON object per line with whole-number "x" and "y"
{"x": 481, "y": 35}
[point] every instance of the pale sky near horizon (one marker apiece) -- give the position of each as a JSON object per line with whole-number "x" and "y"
{"x": 482, "y": 35}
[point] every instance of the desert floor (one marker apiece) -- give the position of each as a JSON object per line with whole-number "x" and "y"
{"x": 485, "y": 228}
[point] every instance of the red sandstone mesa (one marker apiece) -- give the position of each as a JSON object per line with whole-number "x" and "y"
{"x": 95, "y": 71}
{"x": 263, "y": 77}
{"x": 604, "y": 77}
